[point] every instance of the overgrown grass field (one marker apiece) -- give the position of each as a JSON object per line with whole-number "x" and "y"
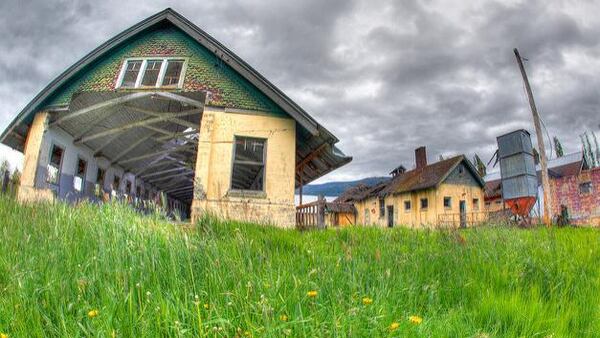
{"x": 105, "y": 271}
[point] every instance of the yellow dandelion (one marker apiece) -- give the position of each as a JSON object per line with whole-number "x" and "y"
{"x": 283, "y": 318}
{"x": 367, "y": 301}
{"x": 93, "y": 313}
{"x": 312, "y": 293}
{"x": 3, "y": 335}
{"x": 394, "y": 326}
{"x": 206, "y": 306}
{"x": 415, "y": 320}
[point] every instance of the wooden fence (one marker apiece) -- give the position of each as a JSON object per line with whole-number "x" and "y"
{"x": 311, "y": 215}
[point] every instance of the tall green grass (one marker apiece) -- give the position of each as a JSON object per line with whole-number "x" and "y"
{"x": 149, "y": 278}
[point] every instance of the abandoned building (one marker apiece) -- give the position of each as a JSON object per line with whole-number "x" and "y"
{"x": 165, "y": 109}
{"x": 573, "y": 184}
{"x": 445, "y": 193}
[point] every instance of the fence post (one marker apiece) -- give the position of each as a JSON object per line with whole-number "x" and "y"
{"x": 321, "y": 212}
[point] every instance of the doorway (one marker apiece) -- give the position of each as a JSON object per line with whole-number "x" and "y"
{"x": 390, "y": 212}
{"x": 463, "y": 214}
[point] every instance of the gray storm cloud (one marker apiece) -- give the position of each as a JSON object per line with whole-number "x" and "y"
{"x": 383, "y": 76}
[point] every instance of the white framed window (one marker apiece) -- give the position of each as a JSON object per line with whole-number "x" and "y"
{"x": 80, "y": 171}
{"x": 152, "y": 72}
{"x": 249, "y": 158}
{"x": 54, "y": 165}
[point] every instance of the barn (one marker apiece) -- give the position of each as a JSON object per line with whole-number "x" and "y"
{"x": 164, "y": 112}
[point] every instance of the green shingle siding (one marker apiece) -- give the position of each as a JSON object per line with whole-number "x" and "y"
{"x": 204, "y": 72}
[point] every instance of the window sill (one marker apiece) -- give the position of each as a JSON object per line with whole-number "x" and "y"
{"x": 246, "y": 194}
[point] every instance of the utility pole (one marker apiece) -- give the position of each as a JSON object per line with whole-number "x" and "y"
{"x": 540, "y": 141}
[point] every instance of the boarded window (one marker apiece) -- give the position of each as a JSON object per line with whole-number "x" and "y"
{"x": 79, "y": 179}
{"x": 131, "y": 73}
{"x": 424, "y": 203}
{"x": 476, "y": 204}
{"x": 447, "y": 202}
{"x": 173, "y": 73}
{"x": 407, "y": 205}
{"x": 381, "y": 207}
{"x": 151, "y": 72}
{"x": 585, "y": 188}
{"x": 248, "y": 164}
{"x": 54, "y": 165}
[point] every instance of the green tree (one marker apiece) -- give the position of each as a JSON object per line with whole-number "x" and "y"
{"x": 558, "y": 147}
{"x": 15, "y": 180}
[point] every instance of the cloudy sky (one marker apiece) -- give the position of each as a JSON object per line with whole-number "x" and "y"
{"x": 384, "y": 76}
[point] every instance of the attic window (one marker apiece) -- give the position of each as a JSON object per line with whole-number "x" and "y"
{"x": 152, "y": 72}
{"x": 248, "y": 171}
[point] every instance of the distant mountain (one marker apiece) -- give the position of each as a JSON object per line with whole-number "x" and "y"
{"x": 336, "y": 188}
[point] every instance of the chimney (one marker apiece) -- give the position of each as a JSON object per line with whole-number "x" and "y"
{"x": 421, "y": 157}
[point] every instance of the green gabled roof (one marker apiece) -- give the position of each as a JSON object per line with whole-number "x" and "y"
{"x": 263, "y": 95}
{"x": 212, "y": 68}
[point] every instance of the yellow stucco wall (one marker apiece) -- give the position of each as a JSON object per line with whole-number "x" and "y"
{"x": 31, "y": 153}
{"x": 214, "y": 166}
{"x": 417, "y": 217}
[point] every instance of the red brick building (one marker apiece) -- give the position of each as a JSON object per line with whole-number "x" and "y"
{"x": 572, "y": 183}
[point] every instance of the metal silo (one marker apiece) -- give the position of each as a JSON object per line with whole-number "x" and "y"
{"x": 517, "y": 171}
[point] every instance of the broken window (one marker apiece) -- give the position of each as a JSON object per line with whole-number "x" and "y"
{"x": 447, "y": 202}
{"x": 406, "y": 205}
{"x": 173, "y": 73}
{"x": 151, "y": 72}
{"x": 248, "y": 164}
{"x": 424, "y": 203}
{"x": 585, "y": 188}
{"x": 381, "y": 207}
{"x": 476, "y": 204}
{"x": 130, "y": 75}
{"x": 79, "y": 179}
{"x": 54, "y": 164}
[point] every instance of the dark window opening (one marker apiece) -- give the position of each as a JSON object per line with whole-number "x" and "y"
{"x": 116, "y": 183}
{"x": 54, "y": 165}
{"x": 424, "y": 203}
{"x": 381, "y": 207}
{"x": 447, "y": 202}
{"x": 476, "y": 204}
{"x": 100, "y": 176}
{"x": 172, "y": 73}
{"x": 407, "y": 205}
{"x": 131, "y": 73}
{"x": 128, "y": 187}
{"x": 248, "y": 164}
{"x": 151, "y": 72}
{"x": 79, "y": 179}
{"x": 585, "y": 188}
